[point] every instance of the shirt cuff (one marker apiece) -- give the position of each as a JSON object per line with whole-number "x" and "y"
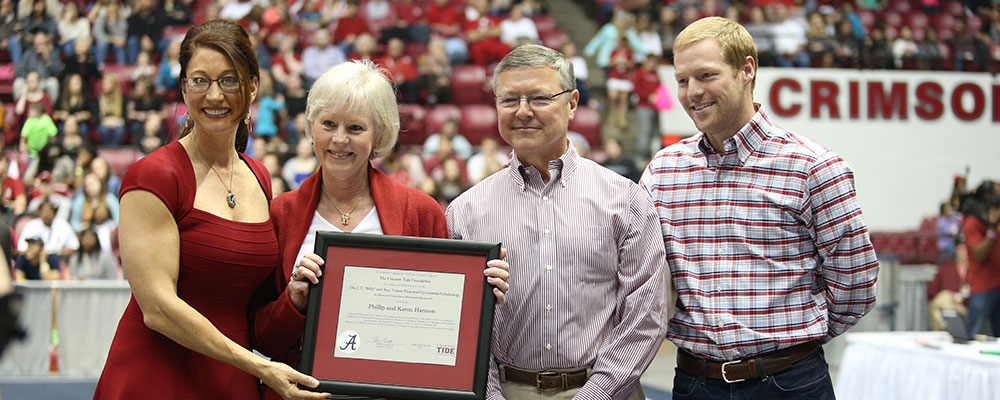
{"x": 591, "y": 392}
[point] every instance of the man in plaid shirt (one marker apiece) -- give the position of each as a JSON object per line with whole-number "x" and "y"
{"x": 763, "y": 231}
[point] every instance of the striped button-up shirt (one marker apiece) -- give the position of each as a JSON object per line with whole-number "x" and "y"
{"x": 587, "y": 279}
{"x": 765, "y": 242}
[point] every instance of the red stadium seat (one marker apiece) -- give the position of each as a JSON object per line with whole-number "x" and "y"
{"x": 411, "y": 124}
{"x": 955, "y": 8}
{"x": 175, "y": 31}
{"x": 943, "y": 22}
{"x": 902, "y": 6}
{"x": 438, "y": 115}
{"x": 119, "y": 158}
{"x": 892, "y": 19}
{"x": 479, "y": 121}
{"x": 553, "y": 39}
{"x": 544, "y": 23}
{"x": 867, "y": 18}
{"x": 587, "y": 122}
{"x": 467, "y": 83}
{"x": 916, "y": 20}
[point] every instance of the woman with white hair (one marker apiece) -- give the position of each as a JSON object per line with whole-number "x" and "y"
{"x": 351, "y": 118}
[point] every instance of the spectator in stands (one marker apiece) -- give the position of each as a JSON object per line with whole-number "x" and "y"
{"x": 13, "y": 201}
{"x": 482, "y": 34}
{"x": 319, "y": 57}
{"x": 435, "y": 72}
{"x": 580, "y": 70}
{"x": 143, "y": 68}
{"x": 59, "y": 165}
{"x": 607, "y": 39}
{"x": 178, "y": 11}
{"x": 619, "y": 84}
{"x": 152, "y": 135}
{"x": 819, "y": 42}
{"x": 379, "y": 15}
{"x": 82, "y": 63}
{"x": 285, "y": 62}
{"x": 101, "y": 167}
{"x": 994, "y": 25}
{"x": 616, "y": 160}
{"x": 847, "y": 47}
{"x": 667, "y": 25}
{"x": 949, "y": 290}
{"x": 982, "y": 239}
{"x": 876, "y": 51}
{"x": 434, "y": 165}
{"x": 364, "y": 48}
{"x": 487, "y": 161}
{"x": 37, "y": 131}
{"x": 648, "y": 36}
{"x": 411, "y": 23}
{"x": 34, "y": 264}
{"x": 41, "y": 19}
{"x": 111, "y": 111}
{"x": 144, "y": 24}
{"x": 349, "y": 27}
{"x": 30, "y": 93}
{"x": 74, "y": 101}
{"x": 42, "y": 59}
{"x": 446, "y": 22}
{"x": 71, "y": 26}
{"x": 402, "y": 69}
{"x": 269, "y": 107}
{"x": 763, "y": 37}
{"x": 72, "y": 138}
{"x": 404, "y": 167}
{"x": 949, "y": 229}
{"x": 789, "y": 31}
{"x": 58, "y": 237}
{"x": 968, "y": 51}
{"x": 309, "y": 16}
{"x": 646, "y": 83}
{"x": 929, "y": 54}
{"x": 142, "y": 103}
{"x": 46, "y": 191}
{"x": 295, "y": 102}
{"x": 904, "y": 49}
{"x": 168, "y": 76}
{"x": 110, "y": 31}
{"x": 83, "y": 155}
{"x": 299, "y": 167}
{"x": 92, "y": 261}
{"x": 449, "y": 131}
{"x": 10, "y": 31}
{"x": 452, "y": 182}
{"x": 517, "y": 29}
{"x": 92, "y": 196}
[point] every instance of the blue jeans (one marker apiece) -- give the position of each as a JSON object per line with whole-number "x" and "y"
{"x": 984, "y": 307}
{"x": 101, "y": 51}
{"x": 808, "y": 379}
{"x": 111, "y": 136}
{"x": 14, "y": 48}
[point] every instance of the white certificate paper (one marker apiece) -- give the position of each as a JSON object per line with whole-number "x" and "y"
{"x": 399, "y": 315}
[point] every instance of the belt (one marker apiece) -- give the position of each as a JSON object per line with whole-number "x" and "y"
{"x": 544, "y": 381}
{"x": 741, "y": 370}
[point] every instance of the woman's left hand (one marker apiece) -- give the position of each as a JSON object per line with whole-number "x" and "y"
{"x": 497, "y": 273}
{"x": 307, "y": 271}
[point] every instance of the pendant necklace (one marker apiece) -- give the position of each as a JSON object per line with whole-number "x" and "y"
{"x": 230, "y": 197}
{"x": 345, "y": 218}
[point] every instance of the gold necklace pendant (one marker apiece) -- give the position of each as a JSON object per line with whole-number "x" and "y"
{"x": 345, "y": 219}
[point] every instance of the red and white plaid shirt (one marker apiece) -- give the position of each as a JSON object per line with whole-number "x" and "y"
{"x": 765, "y": 242}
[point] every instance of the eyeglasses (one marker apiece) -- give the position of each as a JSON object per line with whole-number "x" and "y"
{"x": 535, "y": 101}
{"x": 201, "y": 84}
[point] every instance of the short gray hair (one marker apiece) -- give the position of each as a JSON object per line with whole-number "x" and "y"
{"x": 530, "y": 56}
{"x": 358, "y": 86}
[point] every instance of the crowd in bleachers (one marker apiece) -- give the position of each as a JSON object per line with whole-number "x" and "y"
{"x": 88, "y": 86}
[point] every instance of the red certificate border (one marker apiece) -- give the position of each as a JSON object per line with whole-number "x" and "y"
{"x": 465, "y": 380}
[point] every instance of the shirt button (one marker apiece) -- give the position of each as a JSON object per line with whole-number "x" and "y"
{"x": 545, "y": 198}
{"x": 718, "y": 288}
{"x": 721, "y": 324}
{"x": 548, "y": 346}
{"x": 718, "y": 213}
{"x": 719, "y": 251}
{"x": 548, "y": 268}
{"x": 548, "y": 307}
{"x": 547, "y": 232}
{"x": 563, "y": 182}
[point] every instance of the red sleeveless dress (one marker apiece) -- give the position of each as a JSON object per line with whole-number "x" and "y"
{"x": 222, "y": 262}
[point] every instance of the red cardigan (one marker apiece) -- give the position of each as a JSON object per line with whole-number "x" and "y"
{"x": 402, "y": 211}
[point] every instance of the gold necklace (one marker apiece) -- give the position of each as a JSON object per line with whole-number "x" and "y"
{"x": 230, "y": 197}
{"x": 345, "y": 218}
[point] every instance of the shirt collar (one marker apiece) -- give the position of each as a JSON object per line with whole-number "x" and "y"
{"x": 565, "y": 165}
{"x": 747, "y": 139}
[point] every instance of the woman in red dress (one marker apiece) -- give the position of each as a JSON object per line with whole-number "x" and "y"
{"x": 196, "y": 241}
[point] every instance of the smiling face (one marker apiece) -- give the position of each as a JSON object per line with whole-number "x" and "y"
{"x": 342, "y": 142}
{"x": 214, "y": 110}
{"x": 717, "y": 98}
{"x": 538, "y": 135}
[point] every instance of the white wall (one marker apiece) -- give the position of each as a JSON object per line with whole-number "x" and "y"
{"x": 903, "y": 167}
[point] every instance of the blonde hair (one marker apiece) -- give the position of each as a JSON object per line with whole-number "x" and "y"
{"x": 736, "y": 42}
{"x": 358, "y": 86}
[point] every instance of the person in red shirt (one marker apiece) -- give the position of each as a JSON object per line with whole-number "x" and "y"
{"x": 412, "y": 20}
{"x": 482, "y": 34}
{"x": 646, "y": 83}
{"x": 349, "y": 27}
{"x": 12, "y": 199}
{"x": 983, "y": 245}
{"x": 402, "y": 69}
{"x": 444, "y": 20}
{"x": 620, "y": 87}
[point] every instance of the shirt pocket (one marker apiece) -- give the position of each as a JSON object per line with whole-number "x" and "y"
{"x": 593, "y": 254}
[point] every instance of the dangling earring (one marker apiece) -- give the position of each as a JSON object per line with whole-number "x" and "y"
{"x": 247, "y": 123}
{"x": 187, "y": 122}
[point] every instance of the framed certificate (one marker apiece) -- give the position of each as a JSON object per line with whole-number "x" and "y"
{"x": 400, "y": 317}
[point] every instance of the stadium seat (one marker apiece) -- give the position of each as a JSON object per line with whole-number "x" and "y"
{"x": 553, "y": 39}
{"x": 902, "y": 6}
{"x": 954, "y": 8}
{"x": 916, "y": 20}
{"x": 587, "y": 122}
{"x": 892, "y": 19}
{"x": 943, "y": 22}
{"x": 438, "y": 115}
{"x": 119, "y": 158}
{"x": 411, "y": 124}
{"x": 467, "y": 85}
{"x": 479, "y": 121}
{"x": 867, "y": 18}
{"x": 544, "y": 23}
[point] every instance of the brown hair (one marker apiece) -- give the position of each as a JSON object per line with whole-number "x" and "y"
{"x": 736, "y": 42}
{"x": 231, "y": 40}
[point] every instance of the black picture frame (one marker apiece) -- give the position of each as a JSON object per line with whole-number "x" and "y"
{"x": 329, "y": 243}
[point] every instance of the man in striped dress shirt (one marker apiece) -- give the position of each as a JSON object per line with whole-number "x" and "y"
{"x": 764, "y": 236}
{"x": 586, "y": 310}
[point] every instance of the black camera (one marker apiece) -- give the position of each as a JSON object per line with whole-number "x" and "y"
{"x": 981, "y": 201}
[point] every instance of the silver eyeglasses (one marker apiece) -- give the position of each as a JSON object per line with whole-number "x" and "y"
{"x": 226, "y": 83}
{"x": 535, "y": 101}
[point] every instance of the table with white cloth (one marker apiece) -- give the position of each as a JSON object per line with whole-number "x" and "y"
{"x": 917, "y": 365}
